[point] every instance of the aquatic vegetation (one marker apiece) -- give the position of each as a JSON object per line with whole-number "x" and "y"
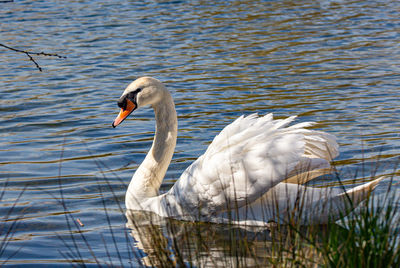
{"x": 366, "y": 238}
{"x": 9, "y": 222}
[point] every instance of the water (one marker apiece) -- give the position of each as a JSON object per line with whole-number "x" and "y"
{"x": 334, "y": 62}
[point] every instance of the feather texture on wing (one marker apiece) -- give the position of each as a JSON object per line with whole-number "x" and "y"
{"x": 248, "y": 158}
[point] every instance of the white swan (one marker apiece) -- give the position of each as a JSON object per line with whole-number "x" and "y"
{"x": 250, "y": 173}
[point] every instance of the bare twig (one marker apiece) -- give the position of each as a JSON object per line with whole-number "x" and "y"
{"x": 29, "y": 54}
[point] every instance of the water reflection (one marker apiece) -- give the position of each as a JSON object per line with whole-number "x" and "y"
{"x": 164, "y": 242}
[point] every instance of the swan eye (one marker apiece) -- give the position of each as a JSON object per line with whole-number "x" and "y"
{"x": 132, "y": 96}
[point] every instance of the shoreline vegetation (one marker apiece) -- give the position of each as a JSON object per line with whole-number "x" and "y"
{"x": 367, "y": 237}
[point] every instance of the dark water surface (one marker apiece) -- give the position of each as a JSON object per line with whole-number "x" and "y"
{"x": 334, "y": 62}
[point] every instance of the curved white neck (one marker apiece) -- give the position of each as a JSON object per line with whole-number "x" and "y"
{"x": 148, "y": 177}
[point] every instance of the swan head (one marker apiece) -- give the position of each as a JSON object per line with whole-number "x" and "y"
{"x": 141, "y": 92}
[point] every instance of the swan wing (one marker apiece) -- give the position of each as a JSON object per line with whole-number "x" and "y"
{"x": 249, "y": 157}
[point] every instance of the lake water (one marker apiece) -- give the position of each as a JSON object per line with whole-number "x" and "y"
{"x": 334, "y": 62}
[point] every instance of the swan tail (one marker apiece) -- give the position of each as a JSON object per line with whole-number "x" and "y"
{"x": 361, "y": 192}
{"x": 336, "y": 204}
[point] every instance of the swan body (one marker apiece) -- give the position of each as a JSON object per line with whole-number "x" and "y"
{"x": 251, "y": 173}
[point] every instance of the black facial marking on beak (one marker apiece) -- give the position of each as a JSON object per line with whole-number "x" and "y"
{"x": 131, "y": 96}
{"x": 128, "y": 104}
{"x": 122, "y": 102}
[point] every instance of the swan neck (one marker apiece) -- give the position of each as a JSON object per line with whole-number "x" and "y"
{"x": 148, "y": 178}
{"x": 166, "y": 132}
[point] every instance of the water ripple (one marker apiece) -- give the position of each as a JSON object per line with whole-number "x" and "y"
{"x": 334, "y": 62}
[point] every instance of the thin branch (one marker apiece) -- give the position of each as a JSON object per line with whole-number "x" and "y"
{"x": 29, "y": 54}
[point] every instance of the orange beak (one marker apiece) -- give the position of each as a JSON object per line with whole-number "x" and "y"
{"x": 130, "y": 106}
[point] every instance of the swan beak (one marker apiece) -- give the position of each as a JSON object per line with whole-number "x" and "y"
{"x": 130, "y": 107}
